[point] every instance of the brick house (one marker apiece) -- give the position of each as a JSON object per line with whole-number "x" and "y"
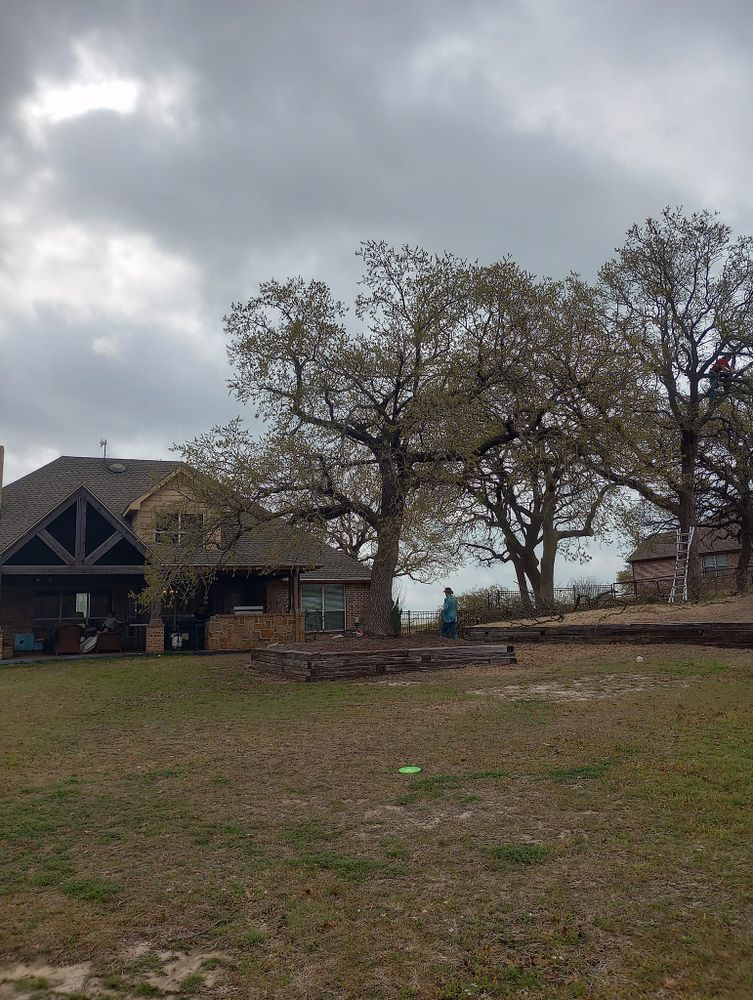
{"x": 653, "y": 560}
{"x": 74, "y": 541}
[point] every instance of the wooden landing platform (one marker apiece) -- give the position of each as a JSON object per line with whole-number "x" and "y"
{"x": 305, "y": 665}
{"x": 728, "y": 634}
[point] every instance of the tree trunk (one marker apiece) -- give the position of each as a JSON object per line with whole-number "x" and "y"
{"x": 392, "y": 511}
{"x": 687, "y": 512}
{"x": 545, "y": 595}
{"x": 746, "y": 546}
{"x": 525, "y": 594}
{"x": 379, "y": 600}
{"x": 524, "y": 562}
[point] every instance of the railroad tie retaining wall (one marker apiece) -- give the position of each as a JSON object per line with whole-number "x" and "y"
{"x": 726, "y": 634}
{"x": 315, "y": 665}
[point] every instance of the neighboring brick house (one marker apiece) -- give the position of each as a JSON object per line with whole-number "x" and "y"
{"x": 653, "y": 560}
{"x": 74, "y": 541}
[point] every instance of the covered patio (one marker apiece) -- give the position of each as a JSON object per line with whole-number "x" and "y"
{"x": 80, "y": 565}
{"x": 52, "y": 612}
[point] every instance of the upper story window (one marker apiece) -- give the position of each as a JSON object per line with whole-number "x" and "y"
{"x": 176, "y": 529}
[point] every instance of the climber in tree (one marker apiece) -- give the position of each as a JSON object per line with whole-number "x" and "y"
{"x": 720, "y": 376}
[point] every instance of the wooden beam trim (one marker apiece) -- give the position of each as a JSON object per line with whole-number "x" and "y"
{"x": 117, "y": 523}
{"x": 73, "y": 570}
{"x": 41, "y": 523}
{"x": 60, "y": 550}
{"x": 102, "y": 549}
{"x": 80, "y": 529}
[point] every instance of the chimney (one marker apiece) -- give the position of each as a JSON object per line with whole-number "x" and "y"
{"x": 2, "y": 459}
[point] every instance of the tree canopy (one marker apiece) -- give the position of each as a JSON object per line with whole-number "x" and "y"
{"x": 461, "y": 403}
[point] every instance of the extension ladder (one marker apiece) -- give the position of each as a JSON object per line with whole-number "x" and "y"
{"x": 682, "y": 561}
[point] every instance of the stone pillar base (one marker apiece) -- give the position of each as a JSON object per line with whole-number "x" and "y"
{"x": 155, "y": 637}
{"x": 6, "y": 645}
{"x": 299, "y": 628}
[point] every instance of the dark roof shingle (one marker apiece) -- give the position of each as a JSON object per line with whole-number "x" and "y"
{"x": 663, "y": 544}
{"x": 26, "y": 501}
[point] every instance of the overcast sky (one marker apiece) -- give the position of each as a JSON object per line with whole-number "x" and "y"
{"x": 159, "y": 158}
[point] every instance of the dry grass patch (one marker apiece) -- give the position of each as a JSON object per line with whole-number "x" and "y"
{"x": 183, "y": 827}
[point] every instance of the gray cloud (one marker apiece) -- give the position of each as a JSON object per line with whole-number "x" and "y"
{"x": 225, "y": 143}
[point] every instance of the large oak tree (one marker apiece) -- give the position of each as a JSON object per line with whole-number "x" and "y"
{"x": 681, "y": 296}
{"x": 368, "y": 415}
{"x": 537, "y": 493}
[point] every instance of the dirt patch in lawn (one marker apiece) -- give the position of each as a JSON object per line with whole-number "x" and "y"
{"x": 583, "y": 688}
{"x": 141, "y": 972}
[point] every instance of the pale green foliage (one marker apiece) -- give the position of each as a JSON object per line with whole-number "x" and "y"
{"x": 680, "y": 292}
{"x": 536, "y": 495}
{"x": 369, "y": 425}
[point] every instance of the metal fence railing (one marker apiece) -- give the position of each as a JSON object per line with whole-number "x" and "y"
{"x": 501, "y": 603}
{"x": 420, "y": 622}
{"x": 713, "y": 583}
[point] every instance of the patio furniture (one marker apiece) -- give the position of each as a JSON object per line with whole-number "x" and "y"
{"x": 23, "y": 642}
{"x": 109, "y": 642}
{"x": 67, "y": 639}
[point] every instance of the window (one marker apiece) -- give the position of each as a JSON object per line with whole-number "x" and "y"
{"x": 175, "y": 528}
{"x": 324, "y": 606}
{"x": 716, "y": 563}
{"x": 70, "y": 605}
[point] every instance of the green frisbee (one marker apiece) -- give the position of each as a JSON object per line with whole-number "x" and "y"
{"x": 410, "y": 769}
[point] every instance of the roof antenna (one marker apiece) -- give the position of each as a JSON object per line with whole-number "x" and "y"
{"x": 103, "y": 446}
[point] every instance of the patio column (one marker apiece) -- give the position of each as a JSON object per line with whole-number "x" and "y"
{"x": 299, "y": 622}
{"x": 154, "y": 641}
{"x": 295, "y": 590}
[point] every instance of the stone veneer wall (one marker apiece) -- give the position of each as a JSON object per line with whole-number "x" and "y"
{"x": 232, "y": 632}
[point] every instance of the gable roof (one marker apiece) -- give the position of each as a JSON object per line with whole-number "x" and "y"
{"x": 120, "y": 527}
{"x": 663, "y": 545}
{"x": 29, "y": 500}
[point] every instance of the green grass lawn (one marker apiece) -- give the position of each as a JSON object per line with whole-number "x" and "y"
{"x": 582, "y": 827}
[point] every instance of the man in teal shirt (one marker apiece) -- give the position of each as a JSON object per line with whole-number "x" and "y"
{"x": 449, "y": 615}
